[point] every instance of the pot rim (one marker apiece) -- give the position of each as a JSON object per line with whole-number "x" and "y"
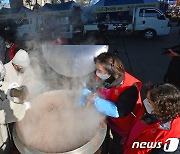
{"x": 89, "y": 148}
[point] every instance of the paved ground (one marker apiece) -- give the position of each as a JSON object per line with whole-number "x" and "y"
{"x": 143, "y": 58}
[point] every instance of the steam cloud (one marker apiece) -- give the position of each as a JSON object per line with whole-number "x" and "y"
{"x": 55, "y": 123}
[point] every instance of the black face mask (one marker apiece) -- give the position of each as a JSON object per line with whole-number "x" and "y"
{"x": 111, "y": 81}
{"x": 107, "y": 83}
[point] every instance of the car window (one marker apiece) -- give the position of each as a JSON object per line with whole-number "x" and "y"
{"x": 141, "y": 12}
{"x": 149, "y": 13}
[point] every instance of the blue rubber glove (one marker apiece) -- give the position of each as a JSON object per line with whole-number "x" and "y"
{"x": 106, "y": 107}
{"x": 83, "y": 98}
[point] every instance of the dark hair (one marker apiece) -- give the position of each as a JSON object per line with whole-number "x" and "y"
{"x": 9, "y": 40}
{"x": 112, "y": 63}
{"x": 166, "y": 99}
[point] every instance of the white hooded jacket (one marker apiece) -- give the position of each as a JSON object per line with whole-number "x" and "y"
{"x": 12, "y": 75}
{"x": 9, "y": 112}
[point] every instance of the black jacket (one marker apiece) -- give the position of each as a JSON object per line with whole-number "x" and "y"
{"x": 127, "y": 101}
{"x": 173, "y": 73}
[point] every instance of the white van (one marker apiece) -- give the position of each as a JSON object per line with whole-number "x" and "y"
{"x": 149, "y": 21}
{"x": 30, "y": 26}
{"x": 34, "y": 26}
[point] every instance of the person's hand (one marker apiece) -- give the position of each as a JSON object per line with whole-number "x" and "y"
{"x": 172, "y": 53}
{"x": 83, "y": 96}
{"x": 19, "y": 92}
{"x": 91, "y": 98}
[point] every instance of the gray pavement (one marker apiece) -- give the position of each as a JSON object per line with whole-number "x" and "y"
{"x": 143, "y": 58}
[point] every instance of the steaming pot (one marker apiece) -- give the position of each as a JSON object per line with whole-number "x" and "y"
{"x": 89, "y": 147}
{"x": 70, "y": 61}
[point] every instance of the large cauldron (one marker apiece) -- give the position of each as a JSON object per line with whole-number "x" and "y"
{"x": 32, "y": 131}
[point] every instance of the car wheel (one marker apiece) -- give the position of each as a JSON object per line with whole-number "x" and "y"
{"x": 149, "y": 34}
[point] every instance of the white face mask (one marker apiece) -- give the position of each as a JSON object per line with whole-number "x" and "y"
{"x": 58, "y": 40}
{"x": 148, "y": 106}
{"x": 102, "y": 76}
{"x": 8, "y": 46}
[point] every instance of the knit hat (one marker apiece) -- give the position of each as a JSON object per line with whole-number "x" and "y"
{"x": 21, "y": 58}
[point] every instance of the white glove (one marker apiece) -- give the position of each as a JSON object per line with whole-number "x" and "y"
{"x": 28, "y": 105}
{"x": 13, "y": 85}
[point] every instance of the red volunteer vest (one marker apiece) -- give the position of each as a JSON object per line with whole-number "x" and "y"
{"x": 142, "y": 132}
{"x": 12, "y": 51}
{"x": 123, "y": 125}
